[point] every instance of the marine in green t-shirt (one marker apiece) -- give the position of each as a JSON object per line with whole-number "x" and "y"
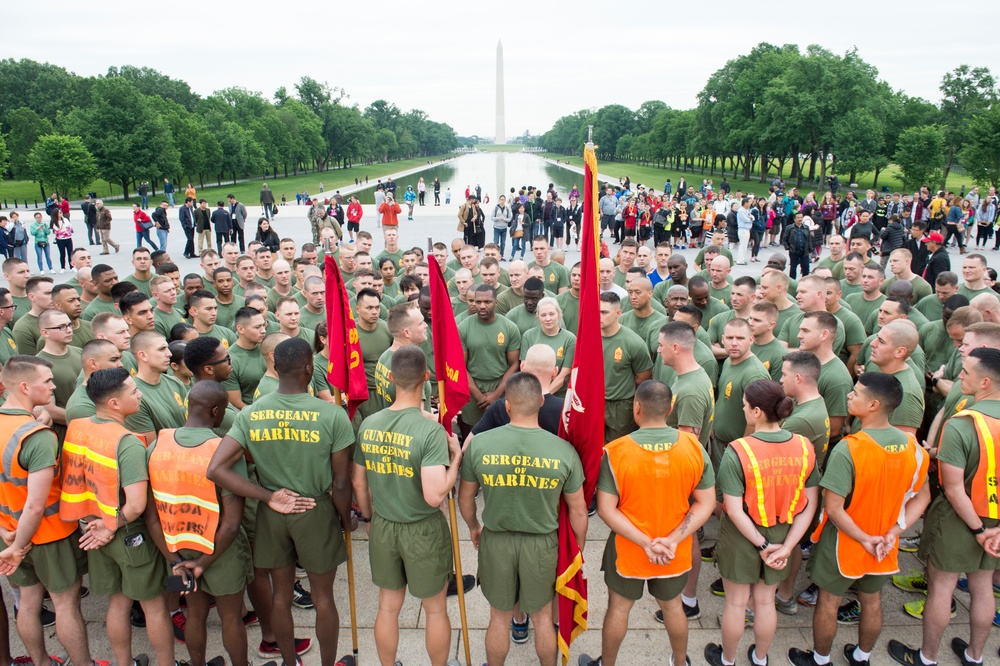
{"x": 392, "y": 447}
{"x": 523, "y": 472}
{"x": 563, "y": 343}
{"x": 163, "y": 405}
{"x": 626, "y": 356}
{"x": 486, "y": 346}
{"x": 165, "y": 321}
{"x": 810, "y": 420}
{"x": 65, "y": 371}
{"x": 556, "y": 277}
{"x": 226, "y": 336}
{"x": 771, "y": 355}
{"x": 96, "y": 307}
{"x": 730, "y": 423}
{"x": 248, "y": 367}
{"x": 523, "y": 319}
{"x": 647, "y": 328}
{"x": 693, "y": 404}
{"x": 570, "y": 305}
{"x": 863, "y": 307}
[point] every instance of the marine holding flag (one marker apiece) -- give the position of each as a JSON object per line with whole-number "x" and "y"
{"x": 346, "y": 372}
{"x": 583, "y": 416}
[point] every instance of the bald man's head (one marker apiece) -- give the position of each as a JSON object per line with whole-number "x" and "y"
{"x": 540, "y": 360}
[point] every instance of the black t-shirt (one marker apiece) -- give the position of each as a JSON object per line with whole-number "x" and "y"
{"x": 496, "y": 415}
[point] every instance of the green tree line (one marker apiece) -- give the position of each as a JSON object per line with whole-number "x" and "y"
{"x": 133, "y": 124}
{"x": 777, "y": 110}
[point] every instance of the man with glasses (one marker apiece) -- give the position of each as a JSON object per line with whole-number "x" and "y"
{"x": 67, "y": 363}
{"x": 7, "y": 308}
{"x": 65, "y": 299}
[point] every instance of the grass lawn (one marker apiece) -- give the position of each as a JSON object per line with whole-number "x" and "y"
{"x": 655, "y": 177}
{"x": 247, "y": 192}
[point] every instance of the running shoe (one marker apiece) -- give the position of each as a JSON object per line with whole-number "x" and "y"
{"x": 915, "y": 581}
{"x": 904, "y": 654}
{"x": 959, "y": 647}
{"x": 519, "y": 630}
{"x": 915, "y": 609}
{"x": 963, "y": 585}
{"x": 587, "y": 660}
{"x": 797, "y": 657}
{"x": 269, "y": 649}
{"x": 786, "y": 606}
{"x": 910, "y": 545}
{"x": 468, "y": 582}
{"x": 849, "y": 613}
{"x": 250, "y": 619}
{"x": 747, "y": 619}
{"x": 807, "y": 549}
{"x": 809, "y": 595}
{"x": 849, "y": 655}
{"x": 301, "y": 598}
{"x": 690, "y": 612}
{"x": 179, "y": 622}
{"x": 718, "y": 589}
{"x": 708, "y": 554}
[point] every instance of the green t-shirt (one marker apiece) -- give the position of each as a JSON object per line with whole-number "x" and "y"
{"x": 693, "y": 403}
{"x": 508, "y": 300}
{"x": 711, "y": 310}
{"x": 320, "y": 381}
{"x": 836, "y": 267}
{"x": 930, "y": 307}
{"x": 393, "y": 445}
{"x": 311, "y": 320}
{"x": 647, "y": 328}
{"x": 911, "y": 411}
{"x": 921, "y": 289}
{"x": 26, "y": 333}
{"x": 143, "y": 285}
{"x": 23, "y": 306}
{"x": 785, "y": 315}
{"x": 960, "y": 444}
{"x": 699, "y": 260}
{"x": 730, "y": 422}
{"x": 486, "y": 346}
{"x": 771, "y": 355}
{"x": 79, "y": 405}
{"x": 223, "y": 334}
{"x": 834, "y": 383}
{"x": 273, "y": 296}
{"x": 556, "y": 276}
{"x": 397, "y": 258}
{"x": 730, "y": 479}
{"x": 65, "y": 370}
{"x": 96, "y": 307}
{"x": 7, "y": 345}
{"x": 654, "y": 439}
{"x": 718, "y": 325}
{"x": 790, "y": 332}
{"x": 839, "y": 474}
{"x": 809, "y": 419}
{"x": 163, "y": 405}
{"x": 385, "y": 390}
{"x": 848, "y": 289}
{"x": 266, "y": 281}
{"x": 570, "y": 305}
{"x": 625, "y": 356}
{"x": 268, "y": 384}
{"x": 248, "y": 368}
{"x": 937, "y": 345}
{"x": 227, "y": 312}
{"x": 373, "y": 344}
{"x": 969, "y": 293}
{"x": 721, "y": 294}
{"x": 164, "y": 322}
{"x": 862, "y": 307}
{"x": 291, "y": 439}
{"x": 523, "y": 472}
{"x": 854, "y": 332}
{"x": 523, "y": 319}
{"x": 563, "y": 343}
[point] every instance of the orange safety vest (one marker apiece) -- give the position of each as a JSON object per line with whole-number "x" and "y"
{"x": 984, "y": 483}
{"x": 186, "y": 501}
{"x": 775, "y": 475}
{"x": 16, "y": 428}
{"x": 883, "y": 482}
{"x": 655, "y": 498}
{"x": 90, "y": 471}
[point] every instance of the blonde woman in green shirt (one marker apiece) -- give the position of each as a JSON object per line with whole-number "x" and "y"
{"x": 551, "y": 334}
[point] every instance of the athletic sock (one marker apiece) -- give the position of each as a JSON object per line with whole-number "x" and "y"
{"x": 970, "y": 659}
{"x": 924, "y": 660}
{"x": 16, "y": 591}
{"x": 689, "y": 601}
{"x": 727, "y": 663}
{"x": 861, "y": 655}
{"x": 758, "y": 662}
{"x": 821, "y": 659}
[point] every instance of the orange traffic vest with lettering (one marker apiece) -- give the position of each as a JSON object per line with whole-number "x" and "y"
{"x": 654, "y": 493}
{"x": 90, "y": 471}
{"x": 984, "y": 484}
{"x": 16, "y": 428}
{"x": 775, "y": 475}
{"x": 884, "y": 481}
{"x": 186, "y": 500}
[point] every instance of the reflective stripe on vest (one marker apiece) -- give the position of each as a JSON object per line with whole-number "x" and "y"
{"x": 14, "y": 483}
{"x": 90, "y": 482}
{"x": 189, "y": 515}
{"x": 808, "y": 461}
{"x": 984, "y": 483}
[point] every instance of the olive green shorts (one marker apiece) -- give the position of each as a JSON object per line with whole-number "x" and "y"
{"x": 618, "y": 419}
{"x": 471, "y": 412}
{"x": 230, "y": 573}
{"x": 825, "y": 571}
{"x": 416, "y": 555}
{"x": 313, "y": 539}
{"x": 739, "y": 560}
{"x": 949, "y": 545}
{"x": 139, "y": 572}
{"x": 249, "y": 521}
{"x": 663, "y": 589}
{"x": 58, "y": 565}
{"x": 518, "y": 568}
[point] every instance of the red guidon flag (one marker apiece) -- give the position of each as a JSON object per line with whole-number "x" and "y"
{"x": 449, "y": 360}
{"x": 583, "y": 415}
{"x": 346, "y": 370}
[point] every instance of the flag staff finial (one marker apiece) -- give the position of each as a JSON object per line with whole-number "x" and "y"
{"x": 590, "y": 136}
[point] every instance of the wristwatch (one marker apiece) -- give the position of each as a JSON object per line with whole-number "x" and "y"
{"x": 982, "y": 528}
{"x": 764, "y": 545}
{"x": 362, "y": 519}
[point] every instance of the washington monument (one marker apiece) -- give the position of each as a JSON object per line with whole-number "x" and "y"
{"x": 501, "y": 134}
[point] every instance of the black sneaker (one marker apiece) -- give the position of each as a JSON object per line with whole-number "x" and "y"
{"x": 519, "y": 630}
{"x": 713, "y": 654}
{"x": 849, "y": 613}
{"x": 216, "y": 661}
{"x": 48, "y": 617}
{"x": 904, "y": 654}
{"x": 849, "y": 655}
{"x": 959, "y": 646}
{"x": 346, "y": 660}
{"x": 468, "y": 582}
{"x": 690, "y": 612}
{"x": 179, "y": 621}
{"x": 750, "y": 655}
{"x": 797, "y": 657}
{"x": 718, "y": 589}
{"x": 708, "y": 554}
{"x": 585, "y": 660}
{"x": 137, "y": 616}
{"x": 592, "y": 508}
{"x": 301, "y": 598}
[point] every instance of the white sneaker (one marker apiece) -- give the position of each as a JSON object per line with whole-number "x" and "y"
{"x": 62, "y": 270}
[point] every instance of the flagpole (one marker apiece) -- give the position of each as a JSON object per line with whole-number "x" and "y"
{"x": 350, "y": 591}
{"x": 459, "y": 582}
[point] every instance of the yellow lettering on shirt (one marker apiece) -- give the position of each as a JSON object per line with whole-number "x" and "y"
{"x": 289, "y": 426}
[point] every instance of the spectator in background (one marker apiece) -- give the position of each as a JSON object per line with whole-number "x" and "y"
{"x": 90, "y": 219}
{"x": 267, "y": 200}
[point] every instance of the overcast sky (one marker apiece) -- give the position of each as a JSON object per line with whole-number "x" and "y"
{"x": 559, "y": 58}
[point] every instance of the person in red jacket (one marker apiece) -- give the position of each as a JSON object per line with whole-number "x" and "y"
{"x": 390, "y": 209}
{"x": 354, "y": 213}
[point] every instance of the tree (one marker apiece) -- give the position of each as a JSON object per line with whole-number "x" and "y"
{"x": 981, "y": 155}
{"x": 966, "y": 91}
{"x": 919, "y": 153}
{"x": 856, "y": 142}
{"x": 4, "y": 155}
{"x": 25, "y": 128}
{"x": 62, "y": 163}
